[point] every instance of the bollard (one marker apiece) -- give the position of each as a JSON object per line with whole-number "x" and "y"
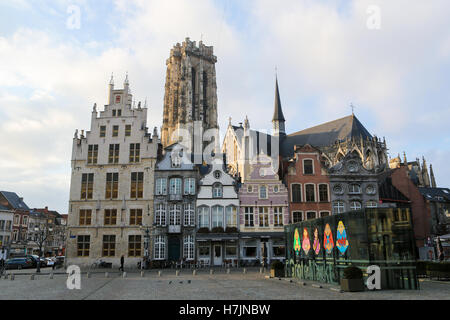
{"x": 194, "y": 272}
{"x": 245, "y": 270}
{"x": 142, "y": 274}
{"x": 228, "y": 270}
{"x": 124, "y": 274}
{"x": 159, "y": 273}
{"x": 12, "y": 276}
{"x": 51, "y": 276}
{"x": 106, "y": 275}
{"x": 177, "y": 273}
{"x": 32, "y": 277}
{"x": 211, "y": 271}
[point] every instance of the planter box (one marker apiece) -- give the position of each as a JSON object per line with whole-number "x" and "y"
{"x": 277, "y": 273}
{"x": 352, "y": 285}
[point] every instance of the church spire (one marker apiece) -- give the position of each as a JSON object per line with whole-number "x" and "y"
{"x": 278, "y": 117}
{"x": 433, "y": 180}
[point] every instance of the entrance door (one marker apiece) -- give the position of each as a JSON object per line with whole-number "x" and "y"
{"x": 174, "y": 249}
{"x": 217, "y": 255}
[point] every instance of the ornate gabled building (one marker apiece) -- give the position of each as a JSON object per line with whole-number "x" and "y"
{"x": 217, "y": 212}
{"x": 190, "y": 92}
{"x": 111, "y": 189}
{"x": 263, "y": 213}
{"x": 176, "y": 180}
{"x": 353, "y": 186}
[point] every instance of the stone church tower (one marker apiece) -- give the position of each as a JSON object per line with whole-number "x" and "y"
{"x": 190, "y": 91}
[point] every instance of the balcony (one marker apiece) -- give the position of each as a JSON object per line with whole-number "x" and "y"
{"x": 175, "y": 228}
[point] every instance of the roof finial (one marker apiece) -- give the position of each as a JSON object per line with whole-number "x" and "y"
{"x": 112, "y": 79}
{"x": 126, "y": 79}
{"x": 353, "y": 108}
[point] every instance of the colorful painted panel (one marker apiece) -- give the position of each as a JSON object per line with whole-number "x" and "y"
{"x": 297, "y": 245}
{"x": 306, "y": 245}
{"x": 341, "y": 238}
{"x": 316, "y": 243}
{"x": 328, "y": 242}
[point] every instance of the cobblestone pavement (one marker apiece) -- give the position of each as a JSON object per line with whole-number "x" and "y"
{"x": 203, "y": 286}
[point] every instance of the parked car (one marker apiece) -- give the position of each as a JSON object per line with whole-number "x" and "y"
{"x": 36, "y": 258}
{"x": 49, "y": 262}
{"x": 19, "y": 263}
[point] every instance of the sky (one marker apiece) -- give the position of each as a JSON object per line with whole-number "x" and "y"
{"x": 388, "y": 58}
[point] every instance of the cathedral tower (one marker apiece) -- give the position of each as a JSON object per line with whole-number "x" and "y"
{"x": 190, "y": 90}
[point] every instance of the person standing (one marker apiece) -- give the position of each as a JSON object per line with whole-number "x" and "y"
{"x": 122, "y": 261}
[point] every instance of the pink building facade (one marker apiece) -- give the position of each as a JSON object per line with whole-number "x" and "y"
{"x": 263, "y": 214}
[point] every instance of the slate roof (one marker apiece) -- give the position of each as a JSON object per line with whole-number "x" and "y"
{"x": 323, "y": 135}
{"x": 14, "y": 200}
{"x": 326, "y": 134}
{"x": 436, "y": 194}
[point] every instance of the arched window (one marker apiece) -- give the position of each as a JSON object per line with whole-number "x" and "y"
{"x": 323, "y": 192}
{"x": 371, "y": 204}
{"x": 310, "y": 193}
{"x": 217, "y": 190}
{"x": 217, "y": 216}
{"x": 296, "y": 192}
{"x": 355, "y": 205}
{"x": 188, "y": 247}
{"x": 231, "y": 213}
{"x": 297, "y": 216}
{"x": 203, "y": 217}
{"x": 338, "y": 207}
{"x": 160, "y": 247}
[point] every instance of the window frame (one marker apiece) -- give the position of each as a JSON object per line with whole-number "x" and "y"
{"x": 312, "y": 166}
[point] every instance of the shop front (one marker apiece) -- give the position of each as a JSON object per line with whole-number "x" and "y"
{"x": 217, "y": 251}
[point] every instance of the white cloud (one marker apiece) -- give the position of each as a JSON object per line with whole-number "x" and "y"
{"x": 325, "y": 55}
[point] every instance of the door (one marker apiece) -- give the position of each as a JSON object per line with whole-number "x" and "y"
{"x": 174, "y": 249}
{"x": 217, "y": 254}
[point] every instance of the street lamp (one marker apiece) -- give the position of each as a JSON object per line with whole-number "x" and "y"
{"x": 42, "y": 237}
{"x": 146, "y": 229}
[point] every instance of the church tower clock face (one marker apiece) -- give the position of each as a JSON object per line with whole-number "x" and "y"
{"x": 117, "y": 99}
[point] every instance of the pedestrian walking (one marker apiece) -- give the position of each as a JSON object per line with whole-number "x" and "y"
{"x": 2, "y": 266}
{"x": 122, "y": 261}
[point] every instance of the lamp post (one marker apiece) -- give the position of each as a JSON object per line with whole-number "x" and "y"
{"x": 42, "y": 235}
{"x": 146, "y": 230}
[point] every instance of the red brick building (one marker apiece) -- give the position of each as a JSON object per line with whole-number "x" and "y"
{"x": 308, "y": 184}
{"x": 420, "y": 214}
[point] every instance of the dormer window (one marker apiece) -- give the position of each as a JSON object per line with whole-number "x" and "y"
{"x": 308, "y": 167}
{"x": 263, "y": 192}
{"x": 217, "y": 174}
{"x": 217, "y": 190}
